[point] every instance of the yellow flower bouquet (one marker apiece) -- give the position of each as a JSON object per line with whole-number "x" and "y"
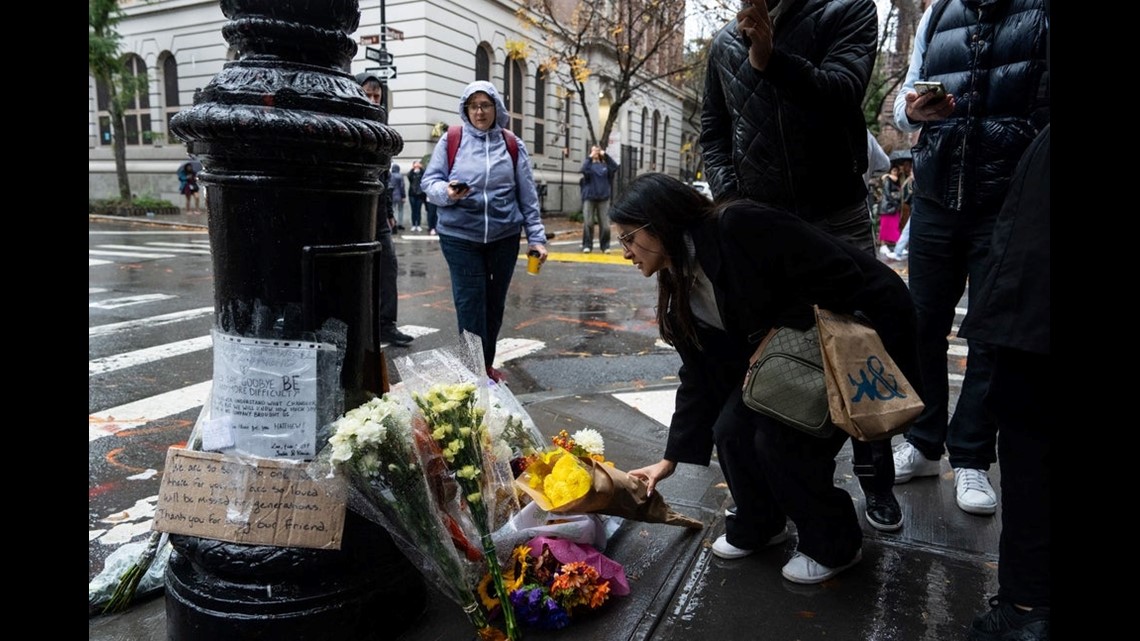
{"x": 569, "y": 479}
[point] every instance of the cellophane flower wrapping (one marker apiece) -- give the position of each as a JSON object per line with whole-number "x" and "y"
{"x": 374, "y": 447}
{"x": 552, "y": 580}
{"x": 570, "y": 478}
{"x": 452, "y": 401}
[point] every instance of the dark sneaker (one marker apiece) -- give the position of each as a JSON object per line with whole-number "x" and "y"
{"x": 395, "y": 337}
{"x": 883, "y": 512}
{"x": 1004, "y": 622}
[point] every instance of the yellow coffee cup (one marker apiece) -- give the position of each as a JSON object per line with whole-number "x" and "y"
{"x": 533, "y": 262}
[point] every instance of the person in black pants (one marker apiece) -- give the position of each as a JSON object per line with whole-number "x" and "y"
{"x": 782, "y": 124}
{"x": 726, "y": 275}
{"x": 389, "y": 333}
{"x": 1011, "y": 312}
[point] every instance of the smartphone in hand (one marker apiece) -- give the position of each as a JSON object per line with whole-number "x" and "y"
{"x": 922, "y": 88}
{"x": 459, "y": 185}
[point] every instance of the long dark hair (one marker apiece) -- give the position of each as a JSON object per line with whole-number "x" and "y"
{"x": 669, "y": 207}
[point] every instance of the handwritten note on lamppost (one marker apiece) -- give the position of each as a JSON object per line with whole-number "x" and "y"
{"x": 264, "y": 397}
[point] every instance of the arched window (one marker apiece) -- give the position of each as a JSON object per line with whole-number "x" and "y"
{"x": 664, "y": 142}
{"x": 641, "y": 142}
{"x": 539, "y": 112}
{"x": 482, "y": 63}
{"x": 513, "y": 93}
{"x": 136, "y": 112}
{"x": 656, "y": 130}
{"x": 170, "y": 97}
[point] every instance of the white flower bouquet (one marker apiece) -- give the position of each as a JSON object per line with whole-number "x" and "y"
{"x": 375, "y": 447}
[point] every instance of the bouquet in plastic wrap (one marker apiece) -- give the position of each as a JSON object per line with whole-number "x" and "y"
{"x": 569, "y": 478}
{"x": 447, "y": 394}
{"x": 551, "y": 580}
{"x": 375, "y": 447}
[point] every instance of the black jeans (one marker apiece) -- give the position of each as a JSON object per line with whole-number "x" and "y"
{"x": 776, "y": 472}
{"x": 946, "y": 249}
{"x": 1019, "y": 400}
{"x": 388, "y": 269}
{"x": 481, "y": 274}
{"x": 417, "y": 204}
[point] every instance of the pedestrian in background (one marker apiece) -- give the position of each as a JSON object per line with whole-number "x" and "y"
{"x": 598, "y": 171}
{"x": 398, "y": 194}
{"x": 878, "y": 163}
{"x": 188, "y": 183}
{"x": 726, "y": 275}
{"x": 782, "y": 123}
{"x": 890, "y": 208}
{"x": 972, "y": 135}
{"x": 416, "y": 193}
{"x": 386, "y": 221}
{"x": 486, "y": 199}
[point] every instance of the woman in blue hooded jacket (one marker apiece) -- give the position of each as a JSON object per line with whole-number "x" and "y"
{"x": 485, "y": 198}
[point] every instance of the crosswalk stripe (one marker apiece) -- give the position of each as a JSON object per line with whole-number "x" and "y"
{"x": 141, "y": 412}
{"x": 148, "y": 355}
{"x": 125, "y": 254}
{"x": 147, "y": 323}
{"x": 125, "y": 301}
{"x": 91, "y": 262}
{"x": 169, "y": 247}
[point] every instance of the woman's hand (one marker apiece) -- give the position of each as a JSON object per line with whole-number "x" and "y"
{"x": 540, "y": 248}
{"x": 652, "y": 474}
{"x": 457, "y": 190}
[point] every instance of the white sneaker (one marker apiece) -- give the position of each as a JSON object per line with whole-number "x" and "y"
{"x": 893, "y": 256}
{"x": 975, "y": 494}
{"x": 725, "y": 550}
{"x": 884, "y": 250}
{"x": 909, "y": 463}
{"x": 585, "y": 250}
{"x": 803, "y": 569}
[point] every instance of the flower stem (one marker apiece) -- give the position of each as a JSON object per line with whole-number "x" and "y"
{"x": 500, "y": 588}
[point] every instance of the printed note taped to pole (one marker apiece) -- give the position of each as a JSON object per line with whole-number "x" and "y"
{"x": 265, "y": 393}
{"x": 252, "y": 501}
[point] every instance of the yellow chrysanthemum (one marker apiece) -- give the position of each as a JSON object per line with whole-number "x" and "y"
{"x": 568, "y": 481}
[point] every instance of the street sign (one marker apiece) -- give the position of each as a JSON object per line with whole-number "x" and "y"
{"x": 382, "y": 56}
{"x": 394, "y": 34}
{"x": 371, "y": 39}
{"x": 383, "y": 73}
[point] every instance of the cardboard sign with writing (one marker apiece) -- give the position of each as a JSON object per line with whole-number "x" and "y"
{"x": 252, "y": 501}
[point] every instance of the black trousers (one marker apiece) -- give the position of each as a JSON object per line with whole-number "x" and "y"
{"x": 388, "y": 268}
{"x": 776, "y": 472}
{"x": 1019, "y": 401}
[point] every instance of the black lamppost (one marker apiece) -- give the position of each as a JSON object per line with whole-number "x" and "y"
{"x": 293, "y": 154}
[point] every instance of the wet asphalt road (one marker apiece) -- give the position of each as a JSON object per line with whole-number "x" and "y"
{"x": 578, "y": 343}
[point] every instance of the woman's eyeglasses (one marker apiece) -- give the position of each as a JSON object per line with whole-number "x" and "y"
{"x": 627, "y": 238}
{"x": 481, "y": 106}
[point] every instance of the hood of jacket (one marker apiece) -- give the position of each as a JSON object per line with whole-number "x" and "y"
{"x": 395, "y": 168}
{"x": 502, "y": 118}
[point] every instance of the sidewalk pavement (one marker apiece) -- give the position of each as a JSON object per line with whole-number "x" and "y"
{"x": 926, "y": 582}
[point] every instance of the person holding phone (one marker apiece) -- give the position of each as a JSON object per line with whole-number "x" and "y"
{"x": 485, "y": 199}
{"x": 782, "y": 123}
{"x": 969, "y": 142}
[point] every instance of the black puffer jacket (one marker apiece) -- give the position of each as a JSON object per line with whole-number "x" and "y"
{"x": 793, "y": 135}
{"x": 990, "y": 54}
